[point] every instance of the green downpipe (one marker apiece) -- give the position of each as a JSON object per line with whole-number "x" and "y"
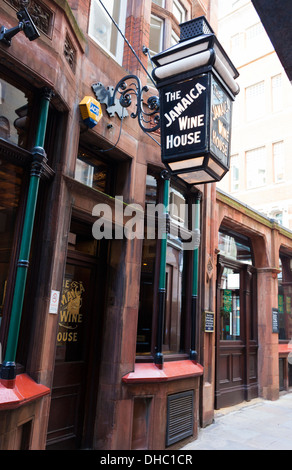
{"x": 194, "y": 306}
{"x": 158, "y": 358}
{"x": 8, "y": 367}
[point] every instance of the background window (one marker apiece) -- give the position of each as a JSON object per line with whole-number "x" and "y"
{"x": 102, "y": 29}
{"x": 278, "y": 156}
{"x": 178, "y": 11}
{"x": 237, "y": 43}
{"x": 277, "y": 94}
{"x": 234, "y": 170}
{"x": 230, "y": 305}
{"x": 14, "y": 110}
{"x": 256, "y": 167}
{"x": 235, "y": 247}
{"x": 155, "y": 40}
{"x": 159, "y": 2}
{"x": 10, "y": 190}
{"x": 92, "y": 172}
{"x": 255, "y": 101}
{"x": 174, "y": 39}
{"x": 285, "y": 298}
{"x": 254, "y": 33}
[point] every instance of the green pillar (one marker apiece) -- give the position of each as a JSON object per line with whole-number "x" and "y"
{"x": 196, "y": 215}
{"x": 8, "y": 371}
{"x": 158, "y": 358}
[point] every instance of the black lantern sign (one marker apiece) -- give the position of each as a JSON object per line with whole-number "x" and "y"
{"x": 196, "y": 85}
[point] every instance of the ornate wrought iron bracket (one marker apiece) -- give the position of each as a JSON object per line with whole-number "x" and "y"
{"x": 118, "y": 99}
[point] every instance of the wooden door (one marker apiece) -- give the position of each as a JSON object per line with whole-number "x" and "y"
{"x": 236, "y": 342}
{"x": 75, "y": 370}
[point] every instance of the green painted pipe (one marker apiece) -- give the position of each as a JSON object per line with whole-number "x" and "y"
{"x": 162, "y": 274}
{"x": 193, "y": 352}
{"x": 158, "y": 357}
{"x": 8, "y": 366}
{"x": 196, "y": 250}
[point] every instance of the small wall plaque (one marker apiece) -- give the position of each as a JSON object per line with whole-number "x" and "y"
{"x": 209, "y": 322}
{"x": 275, "y": 320}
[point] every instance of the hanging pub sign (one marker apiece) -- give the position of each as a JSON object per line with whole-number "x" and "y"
{"x": 197, "y": 87}
{"x": 195, "y": 129}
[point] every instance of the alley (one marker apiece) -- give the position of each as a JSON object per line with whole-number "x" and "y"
{"x": 258, "y": 425}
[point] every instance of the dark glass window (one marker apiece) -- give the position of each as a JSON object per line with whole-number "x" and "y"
{"x": 92, "y": 171}
{"x": 173, "y": 328}
{"x": 10, "y": 186}
{"x": 230, "y": 305}
{"x": 235, "y": 246}
{"x": 14, "y": 114}
{"x": 285, "y": 298}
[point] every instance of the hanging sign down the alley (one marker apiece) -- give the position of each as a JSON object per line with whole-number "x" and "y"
{"x": 195, "y": 119}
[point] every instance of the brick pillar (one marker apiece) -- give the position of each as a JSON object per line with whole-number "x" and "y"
{"x": 268, "y": 358}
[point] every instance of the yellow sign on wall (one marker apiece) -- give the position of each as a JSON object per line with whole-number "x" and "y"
{"x": 91, "y": 112}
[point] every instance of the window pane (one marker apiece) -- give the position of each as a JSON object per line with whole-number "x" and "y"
{"x": 155, "y": 42}
{"x": 255, "y": 101}
{"x": 277, "y": 94}
{"x": 175, "y": 273}
{"x": 73, "y": 316}
{"x": 235, "y": 248}
{"x": 230, "y": 305}
{"x": 159, "y": 2}
{"x": 92, "y": 172}
{"x": 174, "y": 39}
{"x": 278, "y": 157}
{"x": 10, "y": 184}
{"x": 237, "y": 43}
{"x": 102, "y": 29}
{"x": 146, "y": 304}
{"x": 285, "y": 298}
{"x": 13, "y": 114}
{"x": 256, "y": 167}
{"x": 178, "y": 11}
{"x": 234, "y": 168}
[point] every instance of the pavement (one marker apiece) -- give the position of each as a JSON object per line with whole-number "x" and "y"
{"x": 255, "y": 425}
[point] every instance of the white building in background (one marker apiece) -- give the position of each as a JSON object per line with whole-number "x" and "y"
{"x": 261, "y": 143}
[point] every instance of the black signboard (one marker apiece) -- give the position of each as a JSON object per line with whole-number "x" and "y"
{"x": 195, "y": 120}
{"x": 220, "y": 125}
{"x": 184, "y": 117}
{"x": 275, "y": 320}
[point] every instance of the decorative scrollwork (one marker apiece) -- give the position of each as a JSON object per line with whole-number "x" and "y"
{"x": 146, "y": 112}
{"x": 118, "y": 98}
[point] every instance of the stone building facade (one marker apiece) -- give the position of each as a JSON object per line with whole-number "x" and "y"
{"x": 85, "y": 375}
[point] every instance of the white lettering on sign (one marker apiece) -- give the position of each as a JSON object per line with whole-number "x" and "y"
{"x": 183, "y": 104}
{"x": 182, "y": 140}
{"x": 186, "y": 123}
{"x": 191, "y": 122}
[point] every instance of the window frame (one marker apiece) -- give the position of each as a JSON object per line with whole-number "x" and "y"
{"x": 118, "y": 57}
{"x": 253, "y": 175}
{"x": 254, "y": 104}
{"x": 181, "y": 9}
{"x": 234, "y": 178}
{"x": 278, "y": 161}
{"x": 183, "y": 344}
